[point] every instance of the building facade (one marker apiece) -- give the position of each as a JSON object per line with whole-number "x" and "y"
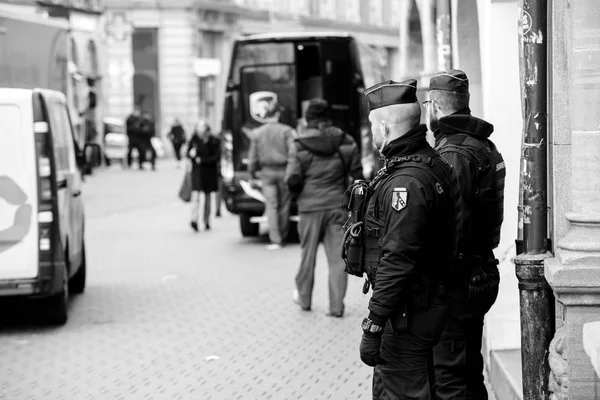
{"x": 171, "y": 57}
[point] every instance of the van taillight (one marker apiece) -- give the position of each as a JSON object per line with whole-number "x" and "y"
{"x": 46, "y": 221}
{"x": 45, "y": 239}
{"x": 227, "y": 169}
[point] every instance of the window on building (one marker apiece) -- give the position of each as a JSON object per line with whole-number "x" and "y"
{"x": 210, "y": 47}
{"x": 352, "y": 8}
{"x": 395, "y": 13}
{"x": 327, "y": 9}
{"x": 376, "y": 12}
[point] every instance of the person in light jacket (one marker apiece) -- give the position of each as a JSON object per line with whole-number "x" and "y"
{"x": 269, "y": 154}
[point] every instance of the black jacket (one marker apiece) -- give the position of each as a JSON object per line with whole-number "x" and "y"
{"x": 463, "y": 141}
{"x": 413, "y": 214}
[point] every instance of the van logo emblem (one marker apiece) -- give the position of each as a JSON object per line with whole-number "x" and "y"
{"x": 14, "y": 195}
{"x": 262, "y": 105}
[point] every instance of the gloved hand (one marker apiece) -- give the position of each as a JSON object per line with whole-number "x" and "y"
{"x": 370, "y": 346}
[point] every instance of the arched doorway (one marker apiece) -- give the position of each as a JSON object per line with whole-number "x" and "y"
{"x": 415, "y": 50}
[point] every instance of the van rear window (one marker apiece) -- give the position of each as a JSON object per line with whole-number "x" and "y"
{"x": 11, "y": 136}
{"x": 248, "y": 54}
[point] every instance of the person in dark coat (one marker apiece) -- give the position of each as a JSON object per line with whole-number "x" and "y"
{"x": 410, "y": 244}
{"x": 464, "y": 141}
{"x": 204, "y": 151}
{"x": 147, "y": 133}
{"x": 134, "y": 134}
{"x": 177, "y": 137}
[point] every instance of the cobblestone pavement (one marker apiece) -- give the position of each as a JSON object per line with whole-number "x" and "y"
{"x": 169, "y": 314}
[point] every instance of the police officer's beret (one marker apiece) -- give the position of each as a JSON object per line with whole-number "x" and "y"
{"x": 389, "y": 93}
{"x": 454, "y": 80}
{"x": 318, "y": 109}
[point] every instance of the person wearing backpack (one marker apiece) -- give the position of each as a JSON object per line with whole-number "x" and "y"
{"x": 317, "y": 172}
{"x": 463, "y": 140}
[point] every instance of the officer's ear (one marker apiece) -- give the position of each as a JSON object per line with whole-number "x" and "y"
{"x": 383, "y": 129}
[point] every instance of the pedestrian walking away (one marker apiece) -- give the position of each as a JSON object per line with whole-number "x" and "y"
{"x": 409, "y": 244}
{"x": 177, "y": 137}
{"x": 268, "y": 156}
{"x": 147, "y": 133}
{"x": 204, "y": 152}
{"x": 134, "y": 134}
{"x": 463, "y": 140}
{"x": 318, "y": 168}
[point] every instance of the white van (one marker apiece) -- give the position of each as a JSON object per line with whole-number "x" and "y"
{"x": 42, "y": 246}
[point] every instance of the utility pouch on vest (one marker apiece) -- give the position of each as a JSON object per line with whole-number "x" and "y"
{"x": 352, "y": 244}
{"x": 420, "y": 292}
{"x": 400, "y": 322}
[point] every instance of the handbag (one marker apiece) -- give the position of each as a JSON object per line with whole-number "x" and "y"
{"x": 185, "y": 191}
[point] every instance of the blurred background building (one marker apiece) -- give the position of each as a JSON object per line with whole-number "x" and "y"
{"x": 172, "y": 56}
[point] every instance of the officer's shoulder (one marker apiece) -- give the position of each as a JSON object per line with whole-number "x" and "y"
{"x": 408, "y": 176}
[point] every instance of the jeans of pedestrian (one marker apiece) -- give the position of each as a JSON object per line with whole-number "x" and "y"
{"x": 322, "y": 227}
{"x": 409, "y": 373}
{"x": 278, "y": 197}
{"x": 195, "y": 204}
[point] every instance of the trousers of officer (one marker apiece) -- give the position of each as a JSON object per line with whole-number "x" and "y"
{"x": 322, "y": 227}
{"x": 408, "y": 373}
{"x": 457, "y": 357}
{"x": 278, "y": 201}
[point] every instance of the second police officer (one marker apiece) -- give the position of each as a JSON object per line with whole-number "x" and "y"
{"x": 463, "y": 141}
{"x": 409, "y": 243}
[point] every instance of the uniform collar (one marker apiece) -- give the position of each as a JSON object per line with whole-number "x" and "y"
{"x": 409, "y": 143}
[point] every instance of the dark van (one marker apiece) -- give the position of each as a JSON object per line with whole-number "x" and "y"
{"x": 292, "y": 68}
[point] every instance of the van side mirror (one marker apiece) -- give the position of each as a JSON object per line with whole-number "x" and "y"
{"x": 92, "y": 155}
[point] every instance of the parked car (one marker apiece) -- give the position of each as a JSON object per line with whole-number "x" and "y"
{"x": 42, "y": 254}
{"x": 116, "y": 142}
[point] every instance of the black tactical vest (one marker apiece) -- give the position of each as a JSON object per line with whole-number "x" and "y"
{"x": 439, "y": 254}
{"x": 486, "y": 204}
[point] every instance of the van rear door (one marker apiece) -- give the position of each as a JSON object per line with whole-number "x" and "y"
{"x": 18, "y": 187}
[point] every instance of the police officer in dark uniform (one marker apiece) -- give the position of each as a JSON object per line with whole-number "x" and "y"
{"x": 409, "y": 241}
{"x": 463, "y": 141}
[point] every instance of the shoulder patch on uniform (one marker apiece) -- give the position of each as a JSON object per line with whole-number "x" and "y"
{"x": 438, "y": 187}
{"x": 500, "y": 166}
{"x": 399, "y": 198}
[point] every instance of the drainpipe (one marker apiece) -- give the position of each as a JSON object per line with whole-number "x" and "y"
{"x": 536, "y": 297}
{"x": 444, "y": 35}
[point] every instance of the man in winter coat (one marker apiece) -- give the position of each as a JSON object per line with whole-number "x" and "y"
{"x": 269, "y": 154}
{"x": 318, "y": 168}
{"x": 463, "y": 141}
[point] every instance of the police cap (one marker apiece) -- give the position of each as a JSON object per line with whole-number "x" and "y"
{"x": 389, "y": 93}
{"x": 454, "y": 80}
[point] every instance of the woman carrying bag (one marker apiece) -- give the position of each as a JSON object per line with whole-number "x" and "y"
{"x": 204, "y": 152}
